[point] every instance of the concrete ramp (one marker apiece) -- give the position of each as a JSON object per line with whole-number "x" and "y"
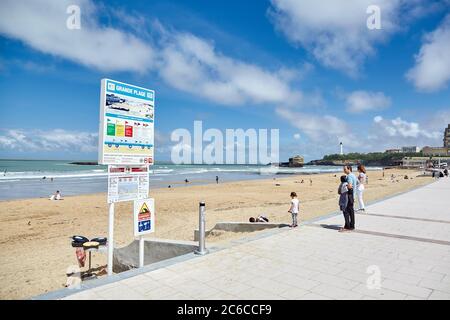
{"x": 240, "y": 227}
{"x": 155, "y": 250}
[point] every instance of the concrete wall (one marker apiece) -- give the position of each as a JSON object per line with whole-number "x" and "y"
{"x": 155, "y": 250}
{"x": 241, "y": 227}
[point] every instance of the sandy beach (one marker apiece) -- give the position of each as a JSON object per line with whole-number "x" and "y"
{"x": 34, "y": 233}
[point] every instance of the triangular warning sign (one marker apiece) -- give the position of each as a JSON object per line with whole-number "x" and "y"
{"x": 144, "y": 213}
{"x": 144, "y": 208}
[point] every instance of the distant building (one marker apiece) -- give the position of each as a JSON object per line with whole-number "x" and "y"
{"x": 415, "y": 162}
{"x": 393, "y": 151}
{"x": 436, "y": 151}
{"x": 447, "y": 137}
{"x": 422, "y": 162}
{"x": 412, "y": 149}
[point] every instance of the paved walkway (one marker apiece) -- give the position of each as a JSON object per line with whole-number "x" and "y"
{"x": 405, "y": 240}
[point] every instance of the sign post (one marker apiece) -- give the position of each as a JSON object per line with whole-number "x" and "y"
{"x": 110, "y": 239}
{"x": 144, "y": 222}
{"x": 126, "y": 145}
{"x": 141, "y": 251}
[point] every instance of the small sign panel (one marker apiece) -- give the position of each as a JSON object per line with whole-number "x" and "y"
{"x": 144, "y": 216}
{"x": 127, "y": 183}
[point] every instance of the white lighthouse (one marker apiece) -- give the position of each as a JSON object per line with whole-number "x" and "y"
{"x": 342, "y": 148}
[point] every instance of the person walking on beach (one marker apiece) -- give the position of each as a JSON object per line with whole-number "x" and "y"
{"x": 343, "y": 201}
{"x": 293, "y": 210}
{"x": 360, "y": 186}
{"x": 349, "y": 210}
{"x": 217, "y": 179}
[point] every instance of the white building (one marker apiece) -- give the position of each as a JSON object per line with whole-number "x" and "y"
{"x": 411, "y": 149}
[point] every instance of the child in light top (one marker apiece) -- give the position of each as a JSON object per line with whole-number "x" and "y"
{"x": 294, "y": 209}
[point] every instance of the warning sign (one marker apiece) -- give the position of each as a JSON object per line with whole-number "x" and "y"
{"x": 144, "y": 216}
{"x": 144, "y": 213}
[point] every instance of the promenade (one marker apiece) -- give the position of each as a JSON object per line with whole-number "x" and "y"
{"x": 400, "y": 250}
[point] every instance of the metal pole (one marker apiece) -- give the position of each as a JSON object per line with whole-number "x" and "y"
{"x": 141, "y": 251}
{"x": 201, "y": 229}
{"x": 111, "y": 239}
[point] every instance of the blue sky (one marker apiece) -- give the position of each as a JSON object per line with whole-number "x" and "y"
{"x": 309, "y": 68}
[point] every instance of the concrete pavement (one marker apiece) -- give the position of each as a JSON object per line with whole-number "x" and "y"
{"x": 401, "y": 250}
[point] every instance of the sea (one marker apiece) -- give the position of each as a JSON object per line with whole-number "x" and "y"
{"x": 21, "y": 179}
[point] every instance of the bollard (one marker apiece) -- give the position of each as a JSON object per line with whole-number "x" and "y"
{"x": 201, "y": 230}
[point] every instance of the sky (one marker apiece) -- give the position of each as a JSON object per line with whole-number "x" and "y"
{"x": 312, "y": 69}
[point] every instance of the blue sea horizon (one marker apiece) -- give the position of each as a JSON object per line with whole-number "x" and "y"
{"x": 20, "y": 179}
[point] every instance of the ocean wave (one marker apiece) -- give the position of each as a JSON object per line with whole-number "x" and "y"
{"x": 10, "y": 176}
{"x": 174, "y": 170}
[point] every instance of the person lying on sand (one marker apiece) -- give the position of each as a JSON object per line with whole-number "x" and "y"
{"x": 259, "y": 218}
{"x": 56, "y": 196}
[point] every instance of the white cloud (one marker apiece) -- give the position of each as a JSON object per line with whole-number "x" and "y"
{"x": 297, "y": 136}
{"x": 192, "y": 64}
{"x": 325, "y": 132}
{"x": 321, "y": 129}
{"x": 183, "y": 61}
{"x": 335, "y": 31}
{"x": 378, "y": 119}
{"x": 41, "y": 24}
{"x": 360, "y": 101}
{"x": 432, "y": 69}
{"x": 52, "y": 140}
{"x": 398, "y": 132}
{"x": 401, "y": 128}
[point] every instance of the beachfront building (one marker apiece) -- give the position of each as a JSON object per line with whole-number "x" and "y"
{"x": 423, "y": 162}
{"x": 416, "y": 162}
{"x": 410, "y": 149}
{"x": 447, "y": 137}
{"x": 436, "y": 151}
{"x": 393, "y": 151}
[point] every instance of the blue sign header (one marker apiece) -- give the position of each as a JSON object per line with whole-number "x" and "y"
{"x": 129, "y": 90}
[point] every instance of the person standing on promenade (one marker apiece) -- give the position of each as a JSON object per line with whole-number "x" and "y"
{"x": 343, "y": 202}
{"x": 293, "y": 210}
{"x": 350, "y": 211}
{"x": 360, "y": 186}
